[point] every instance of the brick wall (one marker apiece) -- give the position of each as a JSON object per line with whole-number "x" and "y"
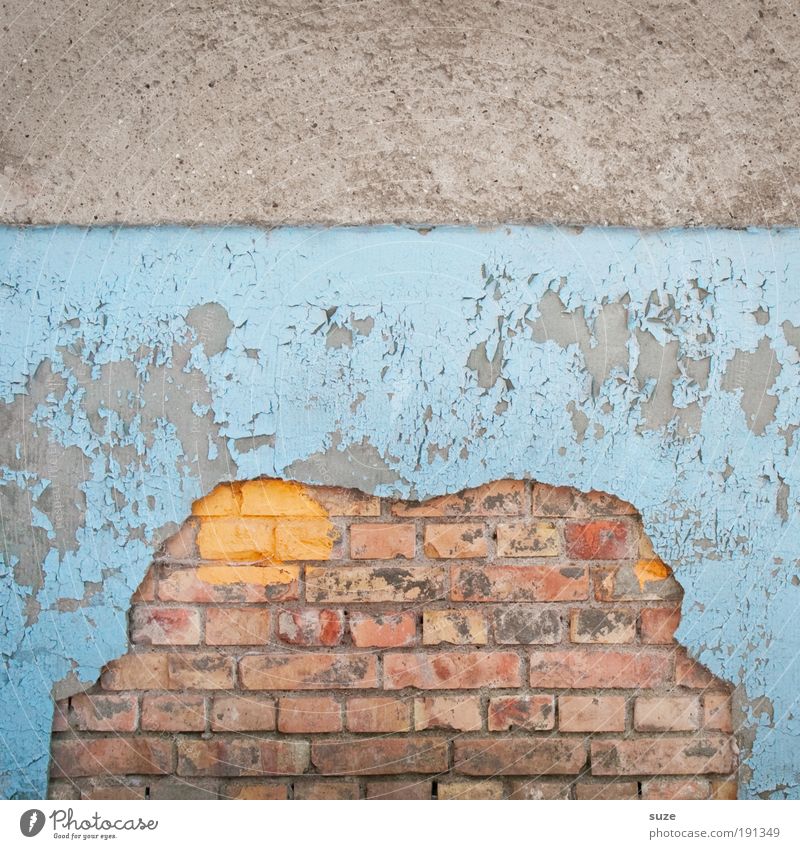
{"x": 511, "y": 641}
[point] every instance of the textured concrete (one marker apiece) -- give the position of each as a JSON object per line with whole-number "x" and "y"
{"x": 275, "y": 111}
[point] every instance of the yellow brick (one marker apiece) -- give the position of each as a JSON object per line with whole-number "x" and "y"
{"x": 278, "y": 498}
{"x": 309, "y": 539}
{"x": 221, "y": 501}
{"x": 236, "y": 539}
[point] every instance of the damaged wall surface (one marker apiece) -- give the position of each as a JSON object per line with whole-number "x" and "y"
{"x": 140, "y": 367}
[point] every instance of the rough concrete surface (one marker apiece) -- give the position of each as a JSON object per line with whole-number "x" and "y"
{"x": 274, "y": 111}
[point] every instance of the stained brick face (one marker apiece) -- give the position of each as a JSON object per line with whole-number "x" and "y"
{"x": 512, "y": 641}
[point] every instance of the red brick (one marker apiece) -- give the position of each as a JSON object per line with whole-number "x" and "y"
{"x": 182, "y": 546}
{"x": 165, "y": 626}
{"x": 528, "y": 539}
{"x": 173, "y": 712}
{"x": 464, "y": 540}
{"x": 309, "y": 715}
{"x": 665, "y": 789}
{"x": 382, "y": 541}
{"x": 518, "y": 756}
{"x": 337, "y": 501}
{"x": 311, "y": 627}
{"x": 200, "y": 672}
{"x": 378, "y": 714}
{"x": 531, "y": 713}
{"x": 137, "y": 671}
{"x": 606, "y": 791}
{"x": 374, "y": 584}
{"x": 308, "y": 671}
{"x": 574, "y": 668}
{"x": 564, "y": 501}
{"x": 111, "y": 790}
{"x": 519, "y": 583}
{"x": 383, "y": 630}
{"x": 110, "y": 756}
{"x": 602, "y": 539}
{"x": 104, "y": 713}
{"x": 591, "y": 713}
{"x": 717, "y": 715}
{"x": 527, "y": 624}
{"x": 451, "y": 671}
{"x": 501, "y": 498}
{"x": 664, "y": 756}
{"x": 454, "y": 713}
{"x": 380, "y": 756}
{"x": 257, "y": 791}
{"x": 689, "y": 673}
{"x": 469, "y": 790}
{"x": 330, "y": 789}
{"x": 457, "y": 627}
{"x": 408, "y": 789}
{"x": 524, "y": 788}
{"x": 666, "y": 713}
{"x": 598, "y": 625}
{"x": 228, "y": 757}
{"x": 242, "y": 713}
{"x": 230, "y": 584}
{"x": 61, "y": 716}
{"x": 147, "y": 589}
{"x": 237, "y": 626}
{"x": 658, "y": 624}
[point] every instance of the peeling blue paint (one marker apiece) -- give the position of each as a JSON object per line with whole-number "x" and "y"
{"x": 138, "y": 367}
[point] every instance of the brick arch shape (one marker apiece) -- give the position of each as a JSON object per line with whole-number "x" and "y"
{"x": 509, "y": 641}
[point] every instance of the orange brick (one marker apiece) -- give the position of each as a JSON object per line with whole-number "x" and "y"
{"x": 564, "y": 501}
{"x": 173, "y": 712}
{"x": 110, "y": 756}
{"x": 519, "y": 583}
{"x": 575, "y": 668}
{"x": 137, "y": 671}
{"x": 451, "y": 671}
{"x": 454, "y": 713}
{"x": 658, "y": 624}
{"x": 528, "y": 539}
{"x": 664, "y": 756}
{"x": 378, "y": 714}
{"x": 606, "y": 791}
{"x": 645, "y": 580}
{"x": 663, "y": 789}
{"x": 276, "y": 498}
{"x": 309, "y": 715}
{"x": 532, "y": 713}
{"x": 343, "y": 584}
{"x": 311, "y": 627}
{"x": 717, "y": 715}
{"x": 602, "y": 539}
{"x": 474, "y": 790}
{"x": 464, "y": 540}
{"x": 666, "y": 713}
{"x": 104, "y": 713}
{"x": 223, "y": 500}
{"x": 237, "y": 626}
{"x": 591, "y": 713}
{"x": 381, "y": 756}
{"x": 501, "y": 498}
{"x": 382, "y": 541}
{"x": 165, "y": 626}
{"x": 246, "y": 757}
{"x": 689, "y": 673}
{"x": 600, "y": 625}
{"x": 346, "y": 502}
{"x": 306, "y": 539}
{"x": 232, "y": 584}
{"x": 236, "y": 539}
{"x": 518, "y": 756}
{"x": 457, "y": 627}
{"x": 326, "y": 789}
{"x": 200, "y": 672}
{"x": 242, "y": 713}
{"x": 308, "y": 671}
{"x": 383, "y": 630}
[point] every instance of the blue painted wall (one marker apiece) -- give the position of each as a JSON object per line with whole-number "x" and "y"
{"x": 138, "y": 367}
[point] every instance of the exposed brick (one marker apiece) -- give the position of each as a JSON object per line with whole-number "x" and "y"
{"x": 383, "y": 630}
{"x": 165, "y": 626}
{"x": 668, "y": 789}
{"x": 409, "y": 789}
{"x": 61, "y": 716}
{"x": 231, "y": 584}
{"x": 199, "y": 672}
{"x": 464, "y": 540}
{"x": 381, "y": 541}
{"x": 717, "y": 715}
{"x": 330, "y": 789}
{"x": 301, "y": 671}
{"x": 724, "y": 788}
{"x": 111, "y": 790}
{"x": 593, "y": 625}
{"x": 658, "y": 625}
{"x": 173, "y": 712}
{"x": 601, "y": 539}
{"x": 689, "y": 673}
{"x": 104, "y": 713}
{"x": 309, "y": 715}
{"x": 110, "y": 755}
{"x": 666, "y": 713}
{"x": 575, "y": 668}
{"x": 280, "y": 499}
{"x": 225, "y": 756}
{"x": 519, "y": 583}
{"x": 518, "y": 756}
{"x": 564, "y": 501}
{"x": 338, "y": 501}
{"x": 146, "y": 591}
{"x": 454, "y": 713}
{"x": 378, "y": 714}
{"x": 664, "y": 756}
{"x": 237, "y": 626}
{"x": 236, "y": 539}
{"x": 311, "y": 627}
{"x": 527, "y": 624}
{"x": 451, "y": 671}
{"x": 641, "y": 581}
{"x": 528, "y": 539}
{"x": 223, "y": 500}
{"x": 457, "y": 627}
{"x": 606, "y": 790}
{"x": 252, "y": 791}
{"x": 342, "y": 584}
{"x": 381, "y": 756}
{"x": 182, "y": 545}
{"x": 524, "y": 788}
{"x": 454, "y": 789}
{"x": 501, "y": 498}
{"x": 531, "y": 713}
{"x": 137, "y": 671}
{"x": 591, "y": 713}
{"x": 306, "y": 539}
{"x": 242, "y": 713}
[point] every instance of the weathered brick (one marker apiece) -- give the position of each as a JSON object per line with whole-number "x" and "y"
{"x": 232, "y": 584}
{"x": 378, "y": 714}
{"x": 173, "y": 712}
{"x": 110, "y": 756}
{"x": 566, "y": 502}
{"x": 642, "y": 581}
{"x": 451, "y": 671}
{"x": 165, "y": 626}
{"x": 531, "y": 713}
{"x": 225, "y": 756}
{"x": 664, "y": 756}
{"x": 223, "y": 500}
{"x": 464, "y": 540}
{"x": 237, "y": 626}
{"x": 276, "y": 498}
{"x": 308, "y": 671}
{"x": 236, "y": 538}
{"x": 338, "y": 501}
{"x": 375, "y": 584}
{"x": 717, "y": 714}
{"x": 501, "y": 498}
{"x": 104, "y": 713}
{"x": 455, "y": 789}
{"x": 121, "y": 790}
{"x": 146, "y": 591}
{"x": 458, "y": 627}
{"x": 200, "y": 671}
{"x": 528, "y": 539}
{"x": 591, "y": 713}
{"x": 311, "y": 627}
{"x": 248, "y": 790}
{"x": 525, "y": 789}
{"x": 182, "y": 546}
{"x": 575, "y": 668}
{"x": 242, "y": 713}
{"x": 383, "y": 630}
{"x": 382, "y": 541}
{"x": 661, "y": 789}
{"x": 689, "y": 673}
{"x": 60, "y": 716}
{"x": 326, "y": 789}
{"x": 527, "y": 624}
{"x": 518, "y": 756}
{"x": 382, "y": 756}
{"x": 408, "y": 789}
{"x": 601, "y": 539}
{"x": 309, "y": 715}
{"x": 596, "y": 625}
{"x": 724, "y": 789}
{"x": 657, "y": 625}
{"x": 137, "y": 671}
{"x": 606, "y": 790}
{"x": 454, "y": 713}
{"x": 306, "y": 539}
{"x": 519, "y": 583}
{"x": 666, "y": 713}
